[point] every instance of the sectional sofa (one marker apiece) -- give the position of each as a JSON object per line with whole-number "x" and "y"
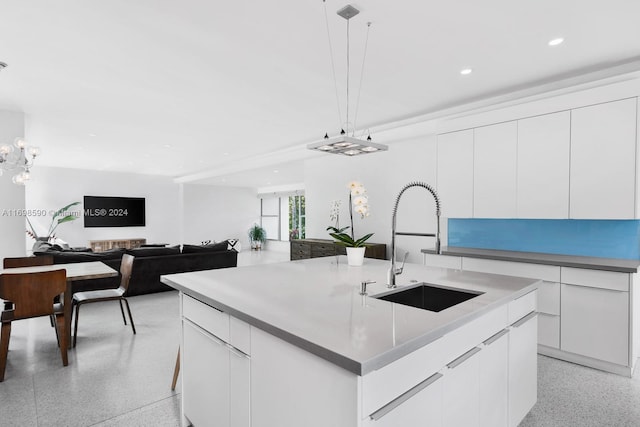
{"x": 149, "y": 264}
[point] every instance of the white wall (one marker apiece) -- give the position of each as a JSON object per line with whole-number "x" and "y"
{"x": 52, "y": 188}
{"x": 219, "y": 213}
{"x": 383, "y": 175}
{"x": 12, "y": 197}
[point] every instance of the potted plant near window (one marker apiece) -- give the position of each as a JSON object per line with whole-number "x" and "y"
{"x": 257, "y": 236}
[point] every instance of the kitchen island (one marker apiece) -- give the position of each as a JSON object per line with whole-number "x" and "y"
{"x": 295, "y": 344}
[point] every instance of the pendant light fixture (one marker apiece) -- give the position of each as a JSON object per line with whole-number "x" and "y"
{"x": 343, "y": 143}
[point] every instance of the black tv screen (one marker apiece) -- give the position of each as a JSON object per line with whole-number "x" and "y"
{"x": 114, "y": 211}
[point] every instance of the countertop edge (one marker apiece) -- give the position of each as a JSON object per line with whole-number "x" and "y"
{"x": 358, "y": 368}
{"x": 591, "y": 263}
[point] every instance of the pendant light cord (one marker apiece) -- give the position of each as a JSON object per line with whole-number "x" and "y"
{"x": 364, "y": 56}
{"x": 333, "y": 65}
{"x": 348, "y": 66}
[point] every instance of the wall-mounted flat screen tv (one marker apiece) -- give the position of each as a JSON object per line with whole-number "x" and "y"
{"x": 102, "y": 211}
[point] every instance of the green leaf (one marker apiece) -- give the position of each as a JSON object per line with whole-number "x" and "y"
{"x": 343, "y": 239}
{"x": 360, "y": 241}
{"x": 62, "y": 210}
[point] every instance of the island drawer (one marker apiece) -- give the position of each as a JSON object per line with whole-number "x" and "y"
{"x": 210, "y": 319}
{"x": 385, "y": 384}
{"x": 522, "y": 306}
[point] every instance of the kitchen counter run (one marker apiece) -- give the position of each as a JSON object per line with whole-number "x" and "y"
{"x": 315, "y": 304}
{"x": 592, "y": 263}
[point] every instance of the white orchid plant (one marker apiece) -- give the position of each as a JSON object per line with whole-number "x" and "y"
{"x": 358, "y": 202}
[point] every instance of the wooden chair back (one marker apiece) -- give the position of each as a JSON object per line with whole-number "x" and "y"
{"x": 126, "y": 266}
{"x": 28, "y": 261}
{"x": 32, "y": 294}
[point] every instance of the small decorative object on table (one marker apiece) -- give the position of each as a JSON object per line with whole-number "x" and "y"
{"x": 359, "y": 202}
{"x": 258, "y": 236}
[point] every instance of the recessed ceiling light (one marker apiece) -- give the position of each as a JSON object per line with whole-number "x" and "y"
{"x": 167, "y": 145}
{"x": 466, "y": 71}
{"x": 225, "y": 154}
{"x": 93, "y": 135}
{"x": 556, "y": 42}
{"x": 276, "y": 171}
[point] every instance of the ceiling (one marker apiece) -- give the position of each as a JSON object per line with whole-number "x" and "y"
{"x": 206, "y": 90}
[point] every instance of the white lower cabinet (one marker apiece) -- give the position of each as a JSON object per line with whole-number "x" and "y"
{"x": 494, "y": 381}
{"x": 205, "y": 378}
{"x": 549, "y": 330}
{"x": 216, "y": 375}
{"x": 595, "y": 323}
{"x": 523, "y": 368}
{"x": 461, "y": 392}
{"x": 239, "y": 389}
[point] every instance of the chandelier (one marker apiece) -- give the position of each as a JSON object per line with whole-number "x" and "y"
{"x": 18, "y": 157}
{"x": 343, "y": 143}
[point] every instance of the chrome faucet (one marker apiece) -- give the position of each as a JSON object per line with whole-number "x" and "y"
{"x": 393, "y": 271}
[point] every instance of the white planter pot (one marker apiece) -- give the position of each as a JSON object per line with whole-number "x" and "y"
{"x": 355, "y": 256}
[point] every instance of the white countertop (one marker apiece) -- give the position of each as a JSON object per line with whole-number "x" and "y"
{"x": 315, "y": 304}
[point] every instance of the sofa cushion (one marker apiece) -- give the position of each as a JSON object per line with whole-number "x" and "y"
{"x": 70, "y": 257}
{"x": 154, "y": 251}
{"x": 214, "y": 247}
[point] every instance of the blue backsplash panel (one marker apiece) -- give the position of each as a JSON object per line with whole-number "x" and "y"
{"x": 582, "y": 237}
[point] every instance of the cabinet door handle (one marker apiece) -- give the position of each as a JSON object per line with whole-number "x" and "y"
{"x": 460, "y": 360}
{"x": 205, "y": 332}
{"x": 404, "y": 397}
{"x": 237, "y": 352}
{"x": 524, "y": 319}
{"x": 495, "y": 337}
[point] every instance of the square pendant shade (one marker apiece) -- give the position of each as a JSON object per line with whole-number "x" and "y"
{"x": 346, "y": 146}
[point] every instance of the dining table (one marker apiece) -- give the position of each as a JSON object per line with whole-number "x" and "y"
{"x": 75, "y": 271}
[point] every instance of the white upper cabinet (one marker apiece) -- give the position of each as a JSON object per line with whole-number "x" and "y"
{"x": 494, "y": 167}
{"x": 543, "y": 166}
{"x": 603, "y": 160}
{"x": 455, "y": 173}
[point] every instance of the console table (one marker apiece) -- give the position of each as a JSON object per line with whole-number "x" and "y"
{"x": 315, "y": 248}
{"x": 105, "y": 245}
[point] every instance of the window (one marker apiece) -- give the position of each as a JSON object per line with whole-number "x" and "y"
{"x": 283, "y": 218}
{"x": 270, "y": 217}
{"x": 296, "y": 217}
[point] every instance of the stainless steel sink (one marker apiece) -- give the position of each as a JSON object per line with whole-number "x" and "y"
{"x": 427, "y": 296}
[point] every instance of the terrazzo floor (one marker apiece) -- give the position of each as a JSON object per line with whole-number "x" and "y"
{"x": 117, "y": 379}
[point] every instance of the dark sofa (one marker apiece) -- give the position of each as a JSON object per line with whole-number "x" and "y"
{"x": 149, "y": 264}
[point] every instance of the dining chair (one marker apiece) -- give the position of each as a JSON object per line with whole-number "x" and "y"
{"x": 28, "y": 261}
{"x": 80, "y": 298}
{"x": 32, "y": 295}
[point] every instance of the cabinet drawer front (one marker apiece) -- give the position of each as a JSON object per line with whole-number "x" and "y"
{"x": 300, "y": 250}
{"x": 549, "y": 297}
{"x": 549, "y": 273}
{"x": 596, "y": 278}
{"x": 208, "y": 318}
{"x": 522, "y": 306}
{"x": 443, "y": 261}
{"x": 595, "y": 323}
{"x": 384, "y": 385}
{"x": 322, "y": 249}
{"x": 549, "y": 330}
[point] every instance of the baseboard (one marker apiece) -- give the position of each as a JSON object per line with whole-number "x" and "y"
{"x": 585, "y": 361}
